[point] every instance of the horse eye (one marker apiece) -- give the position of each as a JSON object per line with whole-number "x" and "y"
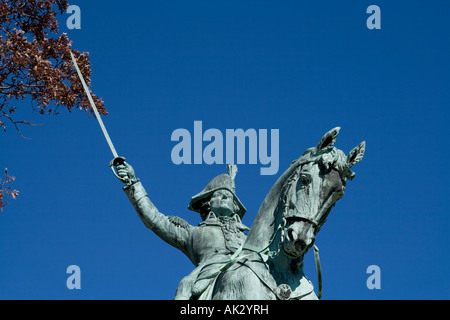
{"x": 306, "y": 179}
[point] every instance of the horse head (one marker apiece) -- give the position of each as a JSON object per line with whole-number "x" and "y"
{"x": 299, "y": 203}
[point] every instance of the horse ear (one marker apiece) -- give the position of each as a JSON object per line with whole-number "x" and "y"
{"x": 356, "y": 155}
{"x": 329, "y": 139}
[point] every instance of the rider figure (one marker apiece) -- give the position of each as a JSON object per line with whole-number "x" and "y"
{"x": 211, "y": 244}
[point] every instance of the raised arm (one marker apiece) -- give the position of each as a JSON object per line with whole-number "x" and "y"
{"x": 173, "y": 230}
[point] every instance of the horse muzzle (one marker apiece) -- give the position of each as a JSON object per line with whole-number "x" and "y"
{"x": 299, "y": 238}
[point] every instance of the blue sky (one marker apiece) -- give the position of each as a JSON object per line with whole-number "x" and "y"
{"x": 302, "y": 67}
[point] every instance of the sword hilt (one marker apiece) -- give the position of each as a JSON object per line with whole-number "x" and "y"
{"x": 117, "y": 162}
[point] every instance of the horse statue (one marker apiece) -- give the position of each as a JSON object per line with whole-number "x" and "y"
{"x": 269, "y": 265}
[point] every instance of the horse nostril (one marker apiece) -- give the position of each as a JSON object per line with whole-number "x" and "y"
{"x": 300, "y": 245}
{"x": 290, "y": 234}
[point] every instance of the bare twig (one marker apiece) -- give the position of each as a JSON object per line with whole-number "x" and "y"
{"x": 16, "y": 123}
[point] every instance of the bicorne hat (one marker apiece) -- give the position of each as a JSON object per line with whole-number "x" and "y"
{"x": 224, "y": 181}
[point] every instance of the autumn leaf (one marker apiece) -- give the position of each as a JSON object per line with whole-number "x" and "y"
{"x": 6, "y": 190}
{"x": 35, "y": 61}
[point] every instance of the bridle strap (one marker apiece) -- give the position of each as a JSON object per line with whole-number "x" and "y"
{"x": 265, "y": 250}
{"x": 319, "y": 272}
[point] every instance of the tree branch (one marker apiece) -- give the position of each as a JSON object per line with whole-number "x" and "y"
{"x": 16, "y": 123}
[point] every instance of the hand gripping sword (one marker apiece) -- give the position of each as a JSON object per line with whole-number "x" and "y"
{"x": 117, "y": 160}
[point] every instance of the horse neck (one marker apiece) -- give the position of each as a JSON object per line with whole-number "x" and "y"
{"x": 269, "y": 215}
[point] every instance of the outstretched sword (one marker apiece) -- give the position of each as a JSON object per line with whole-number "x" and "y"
{"x": 117, "y": 160}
